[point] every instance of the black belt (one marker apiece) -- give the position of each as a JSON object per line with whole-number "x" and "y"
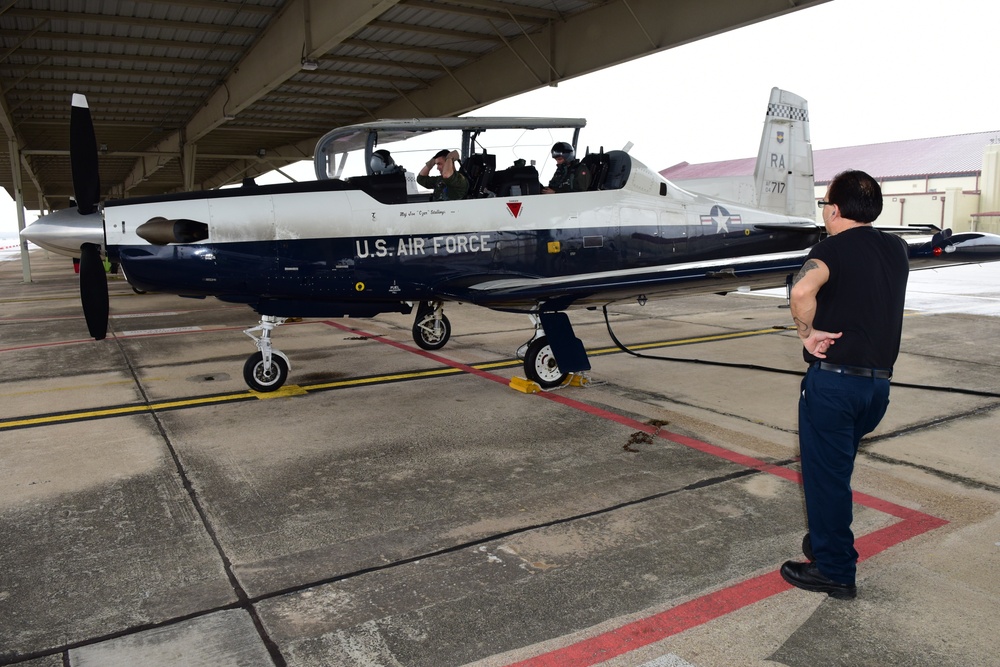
{"x": 858, "y": 371}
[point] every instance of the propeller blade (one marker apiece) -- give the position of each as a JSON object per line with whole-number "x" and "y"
{"x": 94, "y": 290}
{"x": 83, "y": 156}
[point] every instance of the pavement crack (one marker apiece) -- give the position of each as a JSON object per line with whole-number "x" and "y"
{"x": 243, "y": 600}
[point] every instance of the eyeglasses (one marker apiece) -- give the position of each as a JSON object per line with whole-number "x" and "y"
{"x": 822, "y": 203}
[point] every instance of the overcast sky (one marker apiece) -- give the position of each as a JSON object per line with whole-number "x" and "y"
{"x": 872, "y": 70}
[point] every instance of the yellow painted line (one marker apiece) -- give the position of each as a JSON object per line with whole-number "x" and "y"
{"x": 383, "y": 378}
{"x": 688, "y": 341}
{"x": 509, "y": 363}
{"x": 297, "y": 390}
{"x": 283, "y": 392}
{"x": 118, "y": 412}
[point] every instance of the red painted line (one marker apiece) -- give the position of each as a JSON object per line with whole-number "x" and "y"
{"x": 423, "y": 353}
{"x": 687, "y": 615}
{"x": 659, "y": 626}
{"x": 52, "y": 344}
{"x": 153, "y": 334}
{"x": 649, "y": 630}
{"x": 112, "y": 335}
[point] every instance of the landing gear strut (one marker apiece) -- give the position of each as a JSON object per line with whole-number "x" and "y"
{"x": 431, "y": 328}
{"x": 267, "y": 369}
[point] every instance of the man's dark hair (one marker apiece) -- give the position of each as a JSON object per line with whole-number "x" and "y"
{"x": 442, "y": 153}
{"x": 857, "y": 194}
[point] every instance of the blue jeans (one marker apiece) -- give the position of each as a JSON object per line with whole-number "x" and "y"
{"x": 835, "y": 412}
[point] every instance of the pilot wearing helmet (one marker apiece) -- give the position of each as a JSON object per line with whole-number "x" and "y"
{"x": 382, "y": 163}
{"x": 571, "y": 175}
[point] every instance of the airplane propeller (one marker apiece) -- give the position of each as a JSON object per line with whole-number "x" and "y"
{"x": 87, "y": 190}
{"x": 94, "y": 290}
{"x": 83, "y": 156}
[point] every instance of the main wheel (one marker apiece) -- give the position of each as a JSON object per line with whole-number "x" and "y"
{"x": 540, "y": 364}
{"x": 260, "y": 380}
{"x": 431, "y": 333}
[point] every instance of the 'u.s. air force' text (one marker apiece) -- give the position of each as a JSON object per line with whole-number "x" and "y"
{"x": 437, "y": 245}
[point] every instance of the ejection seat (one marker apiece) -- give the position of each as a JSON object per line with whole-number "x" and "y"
{"x": 478, "y": 169}
{"x": 517, "y": 181}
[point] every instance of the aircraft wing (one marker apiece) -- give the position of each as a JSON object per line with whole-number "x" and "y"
{"x": 528, "y": 293}
{"x": 593, "y": 289}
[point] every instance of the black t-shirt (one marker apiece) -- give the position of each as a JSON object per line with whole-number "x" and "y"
{"x": 863, "y": 297}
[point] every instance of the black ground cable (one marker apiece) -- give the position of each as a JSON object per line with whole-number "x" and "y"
{"x": 769, "y": 369}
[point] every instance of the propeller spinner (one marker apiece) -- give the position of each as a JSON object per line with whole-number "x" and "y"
{"x": 65, "y": 232}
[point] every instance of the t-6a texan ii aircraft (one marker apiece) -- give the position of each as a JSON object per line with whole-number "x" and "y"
{"x": 374, "y": 243}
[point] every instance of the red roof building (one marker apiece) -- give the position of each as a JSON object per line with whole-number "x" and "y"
{"x": 937, "y": 180}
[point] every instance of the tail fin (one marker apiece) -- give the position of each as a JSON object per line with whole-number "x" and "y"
{"x": 783, "y": 177}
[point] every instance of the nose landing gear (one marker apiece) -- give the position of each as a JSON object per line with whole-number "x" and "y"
{"x": 267, "y": 369}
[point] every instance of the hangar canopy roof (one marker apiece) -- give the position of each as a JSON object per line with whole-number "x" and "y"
{"x": 196, "y": 94}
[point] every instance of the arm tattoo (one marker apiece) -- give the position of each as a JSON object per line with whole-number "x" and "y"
{"x": 807, "y": 267}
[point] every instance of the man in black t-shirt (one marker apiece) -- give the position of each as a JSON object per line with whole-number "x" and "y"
{"x": 847, "y": 303}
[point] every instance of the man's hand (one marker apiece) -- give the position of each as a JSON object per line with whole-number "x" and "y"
{"x": 818, "y": 342}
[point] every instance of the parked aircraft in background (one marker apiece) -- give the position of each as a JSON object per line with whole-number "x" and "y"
{"x": 373, "y": 243}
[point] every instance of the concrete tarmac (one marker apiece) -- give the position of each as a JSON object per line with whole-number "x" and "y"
{"x": 396, "y": 507}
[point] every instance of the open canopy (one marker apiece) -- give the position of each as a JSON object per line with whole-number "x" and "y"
{"x": 368, "y": 135}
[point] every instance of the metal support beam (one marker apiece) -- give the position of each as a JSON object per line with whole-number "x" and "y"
{"x": 189, "y": 155}
{"x": 15, "y": 168}
{"x": 275, "y": 58}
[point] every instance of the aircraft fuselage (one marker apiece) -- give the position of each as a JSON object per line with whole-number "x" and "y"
{"x": 325, "y": 251}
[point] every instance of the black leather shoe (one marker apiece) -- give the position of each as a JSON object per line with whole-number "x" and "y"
{"x": 807, "y": 547}
{"x": 808, "y": 577}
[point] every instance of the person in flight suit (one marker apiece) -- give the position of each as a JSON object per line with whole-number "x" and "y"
{"x": 571, "y": 175}
{"x": 382, "y": 163}
{"x": 450, "y": 184}
{"x": 847, "y": 304}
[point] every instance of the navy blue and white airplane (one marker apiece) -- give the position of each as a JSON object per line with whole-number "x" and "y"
{"x": 374, "y": 243}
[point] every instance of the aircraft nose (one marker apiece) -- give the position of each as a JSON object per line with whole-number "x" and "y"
{"x": 63, "y": 232}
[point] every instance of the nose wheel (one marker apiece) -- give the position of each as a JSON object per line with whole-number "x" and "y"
{"x": 267, "y": 369}
{"x": 265, "y": 377}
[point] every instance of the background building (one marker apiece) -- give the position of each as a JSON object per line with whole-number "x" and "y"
{"x": 951, "y": 181}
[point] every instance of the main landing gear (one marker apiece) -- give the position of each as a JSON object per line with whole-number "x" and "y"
{"x": 267, "y": 369}
{"x": 553, "y": 336}
{"x": 431, "y": 328}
